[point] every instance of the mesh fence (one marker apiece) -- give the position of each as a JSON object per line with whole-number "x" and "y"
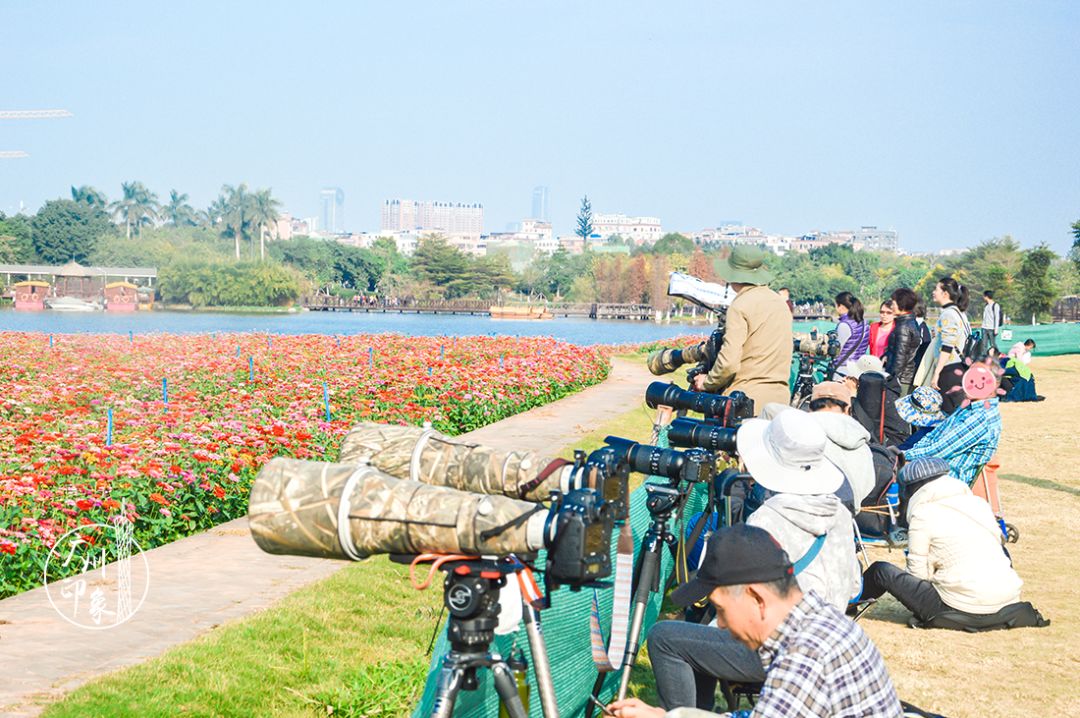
{"x": 566, "y": 632}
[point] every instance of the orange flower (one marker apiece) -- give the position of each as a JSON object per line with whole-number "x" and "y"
{"x": 158, "y": 498}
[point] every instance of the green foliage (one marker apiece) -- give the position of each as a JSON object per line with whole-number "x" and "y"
{"x": 329, "y": 263}
{"x": 673, "y": 243}
{"x": 158, "y": 247}
{"x": 16, "y": 246}
{"x": 137, "y": 207}
{"x": 91, "y": 196}
{"x": 64, "y": 230}
{"x": 228, "y": 284}
{"x": 584, "y": 220}
{"x": 1074, "y": 253}
{"x": 1037, "y": 292}
{"x": 456, "y": 274}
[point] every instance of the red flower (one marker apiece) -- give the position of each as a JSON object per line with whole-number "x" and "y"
{"x": 84, "y": 504}
{"x": 7, "y": 548}
{"x": 159, "y": 499}
{"x": 219, "y": 492}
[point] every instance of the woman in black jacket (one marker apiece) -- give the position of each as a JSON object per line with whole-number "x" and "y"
{"x": 904, "y": 340}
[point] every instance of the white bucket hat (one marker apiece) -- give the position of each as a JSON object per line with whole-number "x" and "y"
{"x": 787, "y": 454}
{"x": 855, "y": 368}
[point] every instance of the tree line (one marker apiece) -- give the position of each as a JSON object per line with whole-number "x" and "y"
{"x": 223, "y": 256}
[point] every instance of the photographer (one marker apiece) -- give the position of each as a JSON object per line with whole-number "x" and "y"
{"x": 755, "y": 357}
{"x": 787, "y": 458}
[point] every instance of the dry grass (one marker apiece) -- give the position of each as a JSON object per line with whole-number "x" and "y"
{"x": 1029, "y": 672}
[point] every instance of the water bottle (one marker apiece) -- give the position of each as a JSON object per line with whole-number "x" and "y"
{"x": 520, "y": 668}
{"x": 892, "y": 496}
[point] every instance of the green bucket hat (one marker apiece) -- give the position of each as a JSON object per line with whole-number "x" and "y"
{"x": 746, "y": 265}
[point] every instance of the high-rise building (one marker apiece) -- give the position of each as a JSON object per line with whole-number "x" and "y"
{"x": 540, "y": 204}
{"x": 333, "y": 210}
{"x": 454, "y": 218}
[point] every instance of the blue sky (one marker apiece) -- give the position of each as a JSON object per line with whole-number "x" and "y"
{"x": 949, "y": 122}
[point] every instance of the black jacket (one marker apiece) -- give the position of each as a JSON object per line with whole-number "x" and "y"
{"x": 904, "y": 341}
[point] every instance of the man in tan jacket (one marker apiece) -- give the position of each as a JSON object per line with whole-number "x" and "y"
{"x": 756, "y": 355}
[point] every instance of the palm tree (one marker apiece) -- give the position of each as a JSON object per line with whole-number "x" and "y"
{"x": 265, "y": 210}
{"x": 212, "y": 215}
{"x": 237, "y": 215}
{"x": 137, "y": 207}
{"x": 178, "y": 212}
{"x": 91, "y": 196}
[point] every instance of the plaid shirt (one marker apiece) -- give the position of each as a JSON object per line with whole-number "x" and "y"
{"x": 967, "y": 440}
{"x": 818, "y": 663}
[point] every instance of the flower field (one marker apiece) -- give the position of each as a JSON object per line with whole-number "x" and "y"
{"x": 234, "y": 401}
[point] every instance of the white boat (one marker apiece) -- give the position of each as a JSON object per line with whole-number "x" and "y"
{"x": 72, "y": 304}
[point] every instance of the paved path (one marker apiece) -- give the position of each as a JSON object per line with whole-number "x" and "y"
{"x": 202, "y": 581}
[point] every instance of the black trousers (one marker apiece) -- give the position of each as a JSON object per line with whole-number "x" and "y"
{"x": 918, "y": 596}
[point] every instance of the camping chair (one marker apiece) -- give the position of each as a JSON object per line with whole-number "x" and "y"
{"x": 985, "y": 486}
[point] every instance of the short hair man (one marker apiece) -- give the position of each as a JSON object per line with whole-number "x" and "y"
{"x": 818, "y": 662}
{"x": 786, "y": 457}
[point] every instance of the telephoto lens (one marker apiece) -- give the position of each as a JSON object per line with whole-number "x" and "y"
{"x": 691, "y": 465}
{"x": 730, "y": 409}
{"x": 702, "y": 435}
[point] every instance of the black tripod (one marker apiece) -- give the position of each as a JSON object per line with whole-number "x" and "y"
{"x": 662, "y": 501}
{"x": 471, "y": 595}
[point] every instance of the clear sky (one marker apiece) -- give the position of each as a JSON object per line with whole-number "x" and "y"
{"x": 950, "y": 122}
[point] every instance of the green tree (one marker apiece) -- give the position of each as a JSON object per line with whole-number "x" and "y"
{"x": 237, "y": 212}
{"x": 442, "y": 265}
{"x": 673, "y": 243}
{"x": 1075, "y": 253}
{"x": 264, "y": 215}
{"x": 64, "y": 230}
{"x": 137, "y": 207}
{"x": 1037, "y": 293}
{"x": 584, "y": 221}
{"x": 91, "y": 196}
{"x": 15, "y": 244}
{"x": 178, "y": 212}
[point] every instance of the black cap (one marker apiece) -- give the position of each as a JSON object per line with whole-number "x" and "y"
{"x": 737, "y": 555}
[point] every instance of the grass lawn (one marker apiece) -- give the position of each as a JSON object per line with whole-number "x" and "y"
{"x": 355, "y": 644}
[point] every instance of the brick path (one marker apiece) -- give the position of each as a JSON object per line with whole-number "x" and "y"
{"x": 202, "y": 581}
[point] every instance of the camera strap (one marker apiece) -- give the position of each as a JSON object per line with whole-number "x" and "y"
{"x": 609, "y": 656}
{"x": 513, "y": 523}
{"x": 417, "y": 452}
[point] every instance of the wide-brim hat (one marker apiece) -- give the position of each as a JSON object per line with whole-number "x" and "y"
{"x": 746, "y": 265}
{"x": 922, "y": 407}
{"x": 787, "y": 454}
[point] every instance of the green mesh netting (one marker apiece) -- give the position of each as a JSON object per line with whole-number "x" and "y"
{"x": 566, "y": 632}
{"x": 1050, "y": 339}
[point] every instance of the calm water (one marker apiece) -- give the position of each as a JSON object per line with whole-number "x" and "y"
{"x": 576, "y": 331}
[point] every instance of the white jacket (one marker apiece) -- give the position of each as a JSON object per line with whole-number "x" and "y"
{"x": 955, "y": 543}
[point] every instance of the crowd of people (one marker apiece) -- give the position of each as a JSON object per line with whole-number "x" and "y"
{"x": 910, "y": 413}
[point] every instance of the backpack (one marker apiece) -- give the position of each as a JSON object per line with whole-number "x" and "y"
{"x": 877, "y": 522}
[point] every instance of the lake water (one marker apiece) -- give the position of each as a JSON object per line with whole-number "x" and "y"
{"x": 575, "y": 331}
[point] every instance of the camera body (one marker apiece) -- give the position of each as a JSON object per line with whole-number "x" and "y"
{"x": 711, "y": 348}
{"x": 605, "y": 471}
{"x": 578, "y": 538}
{"x": 730, "y": 410}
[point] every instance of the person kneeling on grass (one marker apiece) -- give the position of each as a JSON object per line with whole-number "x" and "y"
{"x": 786, "y": 456}
{"x": 817, "y": 662}
{"x": 958, "y": 574}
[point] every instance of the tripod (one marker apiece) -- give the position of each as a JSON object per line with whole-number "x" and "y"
{"x": 471, "y": 595}
{"x": 661, "y": 501}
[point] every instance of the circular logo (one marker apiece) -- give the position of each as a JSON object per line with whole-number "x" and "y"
{"x": 96, "y": 575}
{"x": 459, "y": 597}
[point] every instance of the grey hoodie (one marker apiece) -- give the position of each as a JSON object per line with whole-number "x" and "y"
{"x": 795, "y": 521}
{"x": 849, "y": 450}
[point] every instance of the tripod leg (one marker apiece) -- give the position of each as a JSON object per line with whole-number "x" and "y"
{"x": 544, "y": 685}
{"x": 446, "y": 690}
{"x": 650, "y": 571}
{"x": 507, "y": 689}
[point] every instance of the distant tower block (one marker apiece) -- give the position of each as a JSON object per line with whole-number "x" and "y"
{"x": 333, "y": 209}
{"x": 540, "y": 204}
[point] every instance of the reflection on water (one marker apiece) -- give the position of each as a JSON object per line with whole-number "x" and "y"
{"x": 576, "y": 331}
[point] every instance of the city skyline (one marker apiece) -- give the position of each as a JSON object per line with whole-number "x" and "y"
{"x": 952, "y": 126}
